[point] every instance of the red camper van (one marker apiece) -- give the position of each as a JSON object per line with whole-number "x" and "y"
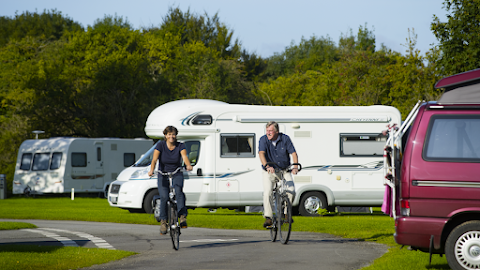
{"x": 433, "y": 173}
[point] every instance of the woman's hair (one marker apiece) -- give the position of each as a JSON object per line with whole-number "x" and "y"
{"x": 170, "y": 129}
{"x": 274, "y": 124}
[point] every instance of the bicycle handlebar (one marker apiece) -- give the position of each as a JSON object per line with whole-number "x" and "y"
{"x": 288, "y": 169}
{"x": 170, "y": 173}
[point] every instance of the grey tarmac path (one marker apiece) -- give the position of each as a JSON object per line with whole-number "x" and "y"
{"x": 202, "y": 248}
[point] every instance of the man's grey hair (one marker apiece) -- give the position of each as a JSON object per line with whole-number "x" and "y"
{"x": 272, "y": 123}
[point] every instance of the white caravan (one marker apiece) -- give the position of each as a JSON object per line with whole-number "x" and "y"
{"x": 87, "y": 165}
{"x": 340, "y": 149}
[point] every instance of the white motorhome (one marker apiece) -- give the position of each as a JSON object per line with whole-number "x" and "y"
{"x": 340, "y": 149}
{"x": 87, "y": 165}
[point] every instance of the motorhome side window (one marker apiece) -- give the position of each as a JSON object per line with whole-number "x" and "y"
{"x": 26, "y": 161}
{"x": 237, "y": 145}
{"x": 202, "y": 119}
{"x": 193, "y": 151}
{"x": 79, "y": 159}
{"x": 453, "y": 138}
{"x": 361, "y": 145}
{"x": 128, "y": 159}
{"x": 56, "y": 159}
{"x": 41, "y": 161}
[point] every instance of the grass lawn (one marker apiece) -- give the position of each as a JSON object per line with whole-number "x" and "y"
{"x": 374, "y": 227}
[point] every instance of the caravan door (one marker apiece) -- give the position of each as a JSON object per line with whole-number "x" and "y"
{"x": 99, "y": 165}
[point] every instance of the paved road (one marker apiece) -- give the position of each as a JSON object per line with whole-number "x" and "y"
{"x": 201, "y": 248}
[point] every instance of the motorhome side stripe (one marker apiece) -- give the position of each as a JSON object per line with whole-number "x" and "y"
{"x": 445, "y": 184}
{"x": 382, "y": 119}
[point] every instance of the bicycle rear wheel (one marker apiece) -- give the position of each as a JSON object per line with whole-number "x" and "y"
{"x": 285, "y": 219}
{"x": 173, "y": 225}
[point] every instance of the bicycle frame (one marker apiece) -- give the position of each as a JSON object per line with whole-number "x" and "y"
{"x": 173, "y": 223}
{"x": 281, "y": 205}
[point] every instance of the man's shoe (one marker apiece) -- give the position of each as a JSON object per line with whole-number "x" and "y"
{"x": 163, "y": 227}
{"x": 183, "y": 222}
{"x": 268, "y": 222}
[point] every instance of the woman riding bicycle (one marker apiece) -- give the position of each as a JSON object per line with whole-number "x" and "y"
{"x": 171, "y": 154}
{"x": 275, "y": 147}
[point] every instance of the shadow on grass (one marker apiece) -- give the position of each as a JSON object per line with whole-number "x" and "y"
{"x": 438, "y": 266}
{"x": 41, "y": 247}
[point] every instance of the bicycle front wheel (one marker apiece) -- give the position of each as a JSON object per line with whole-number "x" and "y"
{"x": 273, "y": 229}
{"x": 284, "y": 219}
{"x": 173, "y": 225}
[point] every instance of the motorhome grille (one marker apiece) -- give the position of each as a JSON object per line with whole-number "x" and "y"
{"x": 302, "y": 134}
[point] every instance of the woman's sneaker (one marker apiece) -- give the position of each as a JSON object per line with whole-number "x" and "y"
{"x": 163, "y": 227}
{"x": 268, "y": 223}
{"x": 183, "y": 222}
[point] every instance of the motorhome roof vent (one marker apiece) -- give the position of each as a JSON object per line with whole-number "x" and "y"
{"x": 202, "y": 119}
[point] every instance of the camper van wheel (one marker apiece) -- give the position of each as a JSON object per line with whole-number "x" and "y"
{"x": 462, "y": 248}
{"x": 148, "y": 201}
{"x": 311, "y": 202}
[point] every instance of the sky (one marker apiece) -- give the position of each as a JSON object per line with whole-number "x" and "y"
{"x": 266, "y": 27}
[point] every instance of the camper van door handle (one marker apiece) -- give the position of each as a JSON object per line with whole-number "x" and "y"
{"x": 199, "y": 172}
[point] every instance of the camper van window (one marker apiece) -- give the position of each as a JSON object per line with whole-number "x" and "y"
{"x": 193, "y": 151}
{"x": 41, "y": 161}
{"x": 99, "y": 154}
{"x": 453, "y": 138}
{"x": 79, "y": 159}
{"x": 361, "y": 145}
{"x": 237, "y": 145}
{"x": 202, "y": 119}
{"x": 128, "y": 159}
{"x": 26, "y": 161}
{"x": 56, "y": 159}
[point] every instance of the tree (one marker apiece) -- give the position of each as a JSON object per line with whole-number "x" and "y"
{"x": 201, "y": 28}
{"x": 49, "y": 25}
{"x": 458, "y": 36}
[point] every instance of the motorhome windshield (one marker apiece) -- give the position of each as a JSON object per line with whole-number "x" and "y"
{"x": 146, "y": 159}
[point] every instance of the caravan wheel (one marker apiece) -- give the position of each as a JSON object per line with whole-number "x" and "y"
{"x": 311, "y": 202}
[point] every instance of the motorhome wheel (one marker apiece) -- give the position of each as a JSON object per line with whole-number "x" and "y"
{"x": 462, "y": 248}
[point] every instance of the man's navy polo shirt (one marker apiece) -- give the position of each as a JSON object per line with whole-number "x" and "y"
{"x": 280, "y": 154}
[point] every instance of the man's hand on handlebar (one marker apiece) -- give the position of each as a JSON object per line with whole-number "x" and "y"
{"x": 295, "y": 171}
{"x": 270, "y": 169}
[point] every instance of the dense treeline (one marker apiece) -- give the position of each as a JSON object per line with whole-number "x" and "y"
{"x": 103, "y": 80}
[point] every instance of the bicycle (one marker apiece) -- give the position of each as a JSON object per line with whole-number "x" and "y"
{"x": 173, "y": 223}
{"x": 281, "y": 205}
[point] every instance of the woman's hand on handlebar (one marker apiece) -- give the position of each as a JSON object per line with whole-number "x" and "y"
{"x": 189, "y": 167}
{"x": 295, "y": 171}
{"x": 150, "y": 173}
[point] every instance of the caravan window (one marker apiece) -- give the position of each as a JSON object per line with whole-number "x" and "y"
{"x": 362, "y": 145}
{"x": 453, "y": 138}
{"x": 26, "y": 161}
{"x": 128, "y": 159}
{"x": 56, "y": 159}
{"x": 237, "y": 145}
{"x": 79, "y": 159}
{"x": 41, "y": 161}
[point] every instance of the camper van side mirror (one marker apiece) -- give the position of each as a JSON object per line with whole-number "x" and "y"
{"x": 199, "y": 172}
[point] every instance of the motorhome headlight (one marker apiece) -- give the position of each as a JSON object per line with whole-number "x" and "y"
{"x": 140, "y": 174}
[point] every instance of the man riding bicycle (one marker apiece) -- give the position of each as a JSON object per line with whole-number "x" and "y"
{"x": 275, "y": 147}
{"x": 171, "y": 154}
